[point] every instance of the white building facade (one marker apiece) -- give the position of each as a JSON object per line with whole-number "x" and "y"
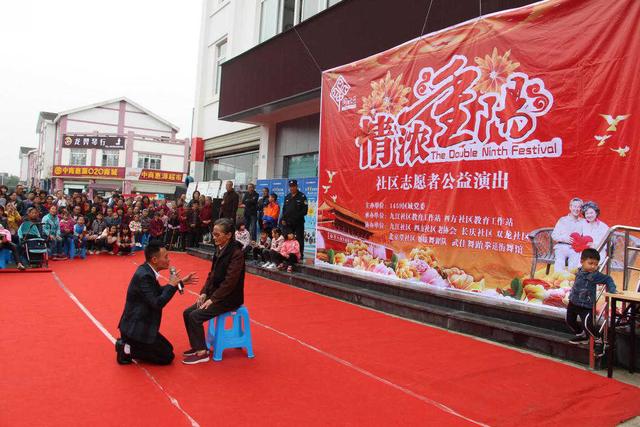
{"x": 107, "y": 146}
{"x": 280, "y": 145}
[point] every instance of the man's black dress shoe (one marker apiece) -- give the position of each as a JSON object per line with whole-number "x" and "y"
{"x": 121, "y": 357}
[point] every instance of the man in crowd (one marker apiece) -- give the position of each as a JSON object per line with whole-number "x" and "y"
{"x": 222, "y": 292}
{"x": 293, "y": 212}
{"x": 230, "y": 202}
{"x": 565, "y": 227}
{"x": 140, "y": 322}
{"x": 250, "y": 205}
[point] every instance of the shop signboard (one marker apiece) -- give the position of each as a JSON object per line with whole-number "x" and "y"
{"x": 93, "y": 141}
{"x": 442, "y": 158}
{"x": 96, "y": 172}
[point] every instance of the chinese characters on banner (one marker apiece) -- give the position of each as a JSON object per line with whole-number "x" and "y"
{"x": 441, "y": 157}
{"x": 89, "y": 172}
{"x": 158, "y": 175}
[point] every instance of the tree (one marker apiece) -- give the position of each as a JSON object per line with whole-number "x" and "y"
{"x": 9, "y": 180}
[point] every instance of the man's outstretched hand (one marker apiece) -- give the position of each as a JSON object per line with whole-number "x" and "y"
{"x": 190, "y": 279}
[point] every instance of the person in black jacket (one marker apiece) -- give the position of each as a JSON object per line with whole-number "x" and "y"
{"x": 222, "y": 292}
{"x": 230, "y": 203}
{"x": 140, "y": 322}
{"x": 293, "y": 212}
{"x": 250, "y": 205}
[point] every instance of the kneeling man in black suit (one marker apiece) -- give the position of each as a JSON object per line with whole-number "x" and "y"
{"x": 140, "y": 322}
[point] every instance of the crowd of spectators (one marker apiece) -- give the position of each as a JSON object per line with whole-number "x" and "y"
{"x": 76, "y": 226}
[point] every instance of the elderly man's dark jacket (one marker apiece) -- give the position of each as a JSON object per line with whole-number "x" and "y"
{"x": 142, "y": 314}
{"x": 229, "y": 207}
{"x": 225, "y": 282}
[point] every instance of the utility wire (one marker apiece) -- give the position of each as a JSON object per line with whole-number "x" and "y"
{"x": 426, "y": 18}
{"x": 308, "y": 50}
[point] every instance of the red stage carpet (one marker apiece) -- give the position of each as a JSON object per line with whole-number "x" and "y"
{"x": 318, "y": 362}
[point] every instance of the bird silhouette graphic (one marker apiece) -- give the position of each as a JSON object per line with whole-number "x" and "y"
{"x": 334, "y": 198}
{"x": 326, "y": 188}
{"x": 613, "y": 121}
{"x": 331, "y": 175}
{"x": 601, "y": 139}
{"x": 622, "y": 151}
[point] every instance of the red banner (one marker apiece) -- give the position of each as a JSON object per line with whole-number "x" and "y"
{"x": 440, "y": 159}
{"x": 95, "y": 172}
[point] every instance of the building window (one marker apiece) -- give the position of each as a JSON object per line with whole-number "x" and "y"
{"x": 221, "y": 56}
{"x": 78, "y": 157}
{"x": 110, "y": 157}
{"x": 280, "y": 15}
{"x": 240, "y": 168}
{"x": 308, "y": 8}
{"x": 301, "y": 166}
{"x": 149, "y": 161}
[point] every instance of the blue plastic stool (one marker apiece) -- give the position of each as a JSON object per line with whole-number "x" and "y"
{"x": 239, "y": 336}
{"x": 5, "y": 257}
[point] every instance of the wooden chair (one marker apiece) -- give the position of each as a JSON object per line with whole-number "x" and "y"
{"x": 542, "y": 244}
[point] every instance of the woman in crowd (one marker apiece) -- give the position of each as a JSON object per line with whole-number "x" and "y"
{"x": 156, "y": 226}
{"x": 13, "y": 220}
{"x": 51, "y": 231}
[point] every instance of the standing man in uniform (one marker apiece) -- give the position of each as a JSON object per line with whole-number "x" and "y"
{"x": 230, "y": 202}
{"x": 293, "y": 212}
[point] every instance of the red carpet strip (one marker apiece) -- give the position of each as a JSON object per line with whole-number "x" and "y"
{"x": 318, "y": 361}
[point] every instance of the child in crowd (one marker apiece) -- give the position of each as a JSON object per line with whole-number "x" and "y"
{"x": 243, "y": 236}
{"x": 66, "y": 231}
{"x": 156, "y": 226}
{"x": 290, "y": 252}
{"x": 136, "y": 229}
{"x": 173, "y": 230}
{"x": 111, "y": 240}
{"x": 145, "y": 221}
{"x": 261, "y": 247}
{"x": 79, "y": 239}
{"x": 271, "y": 212}
{"x": 125, "y": 242}
{"x": 94, "y": 244}
{"x": 272, "y": 255}
{"x": 583, "y": 296}
{"x": 184, "y": 227}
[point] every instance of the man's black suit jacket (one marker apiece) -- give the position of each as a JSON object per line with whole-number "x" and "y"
{"x": 142, "y": 314}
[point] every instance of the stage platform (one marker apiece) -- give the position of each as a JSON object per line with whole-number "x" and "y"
{"x": 536, "y": 328}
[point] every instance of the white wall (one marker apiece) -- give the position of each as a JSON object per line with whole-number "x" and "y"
{"x": 234, "y": 20}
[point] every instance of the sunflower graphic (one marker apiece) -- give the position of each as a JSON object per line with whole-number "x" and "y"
{"x": 495, "y": 71}
{"x": 388, "y": 95}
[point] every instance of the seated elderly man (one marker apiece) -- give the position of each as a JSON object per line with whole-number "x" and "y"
{"x": 565, "y": 227}
{"x": 222, "y": 292}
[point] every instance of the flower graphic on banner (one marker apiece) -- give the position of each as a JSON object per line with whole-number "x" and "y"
{"x": 495, "y": 71}
{"x": 388, "y": 95}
